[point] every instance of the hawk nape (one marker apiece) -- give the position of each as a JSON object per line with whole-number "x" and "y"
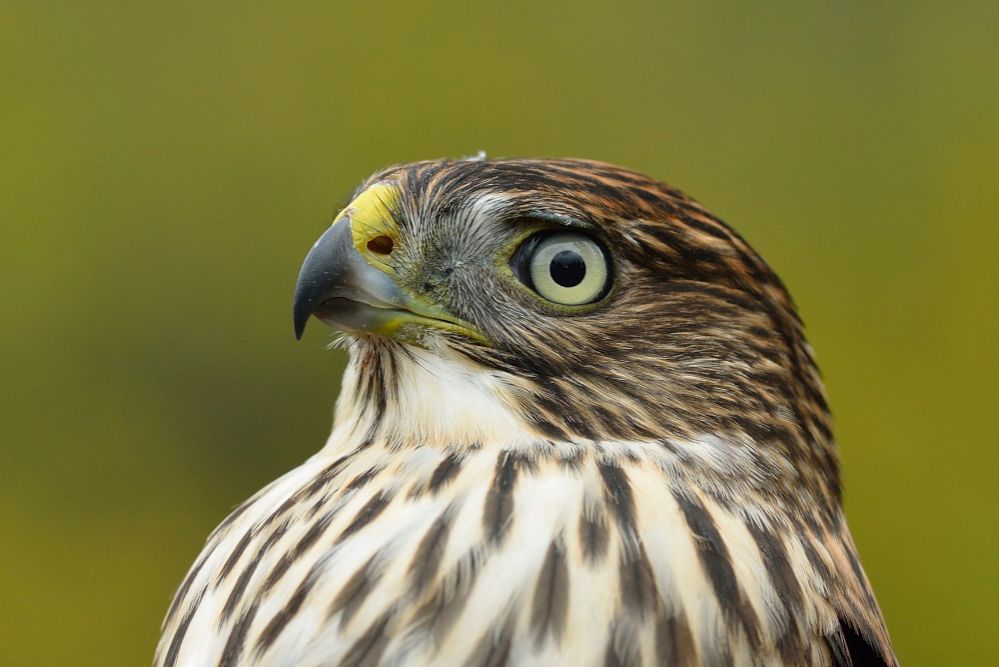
{"x": 580, "y": 425}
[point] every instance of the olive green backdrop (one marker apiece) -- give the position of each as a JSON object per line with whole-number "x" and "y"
{"x": 164, "y": 167}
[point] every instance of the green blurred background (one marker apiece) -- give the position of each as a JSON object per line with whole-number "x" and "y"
{"x": 165, "y": 167}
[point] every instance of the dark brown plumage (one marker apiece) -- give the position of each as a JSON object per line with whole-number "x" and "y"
{"x": 541, "y": 465}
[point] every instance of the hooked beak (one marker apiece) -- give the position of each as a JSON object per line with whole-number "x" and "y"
{"x": 346, "y": 280}
{"x": 340, "y": 288}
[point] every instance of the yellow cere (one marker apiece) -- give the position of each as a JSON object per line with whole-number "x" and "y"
{"x": 373, "y": 232}
{"x": 371, "y": 217}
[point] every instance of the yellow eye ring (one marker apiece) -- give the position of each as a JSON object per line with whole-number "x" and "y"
{"x": 566, "y": 268}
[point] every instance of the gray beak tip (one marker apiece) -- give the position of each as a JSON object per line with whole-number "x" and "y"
{"x": 300, "y": 321}
{"x": 323, "y": 273}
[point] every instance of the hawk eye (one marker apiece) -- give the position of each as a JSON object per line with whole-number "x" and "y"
{"x": 566, "y": 268}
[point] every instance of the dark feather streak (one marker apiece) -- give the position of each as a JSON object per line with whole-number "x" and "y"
{"x": 717, "y": 564}
{"x": 551, "y": 595}
{"x": 243, "y": 580}
{"x": 498, "y": 508}
{"x": 284, "y": 616}
{"x": 237, "y": 638}
{"x": 444, "y": 472}
{"x": 637, "y": 582}
{"x": 593, "y": 534}
{"x": 617, "y": 490}
{"x": 371, "y": 509}
{"x": 445, "y": 606}
{"x": 294, "y": 553}
{"x": 493, "y": 649}
{"x": 785, "y": 583}
{"x": 674, "y": 640}
{"x": 186, "y": 584}
{"x": 367, "y": 650}
{"x": 354, "y": 592}
{"x": 178, "y": 636}
{"x": 427, "y": 558}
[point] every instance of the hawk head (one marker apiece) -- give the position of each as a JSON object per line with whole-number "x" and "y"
{"x": 579, "y": 421}
{"x": 594, "y": 302}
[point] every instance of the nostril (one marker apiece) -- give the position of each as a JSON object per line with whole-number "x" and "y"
{"x": 381, "y": 245}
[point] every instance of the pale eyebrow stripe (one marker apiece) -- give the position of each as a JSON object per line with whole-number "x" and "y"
{"x": 562, "y": 219}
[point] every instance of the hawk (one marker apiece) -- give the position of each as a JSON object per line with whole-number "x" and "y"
{"x": 580, "y": 425}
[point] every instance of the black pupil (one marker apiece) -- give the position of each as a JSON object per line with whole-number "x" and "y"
{"x": 567, "y": 268}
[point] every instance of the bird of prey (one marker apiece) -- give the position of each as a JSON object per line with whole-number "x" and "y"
{"x": 580, "y": 425}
